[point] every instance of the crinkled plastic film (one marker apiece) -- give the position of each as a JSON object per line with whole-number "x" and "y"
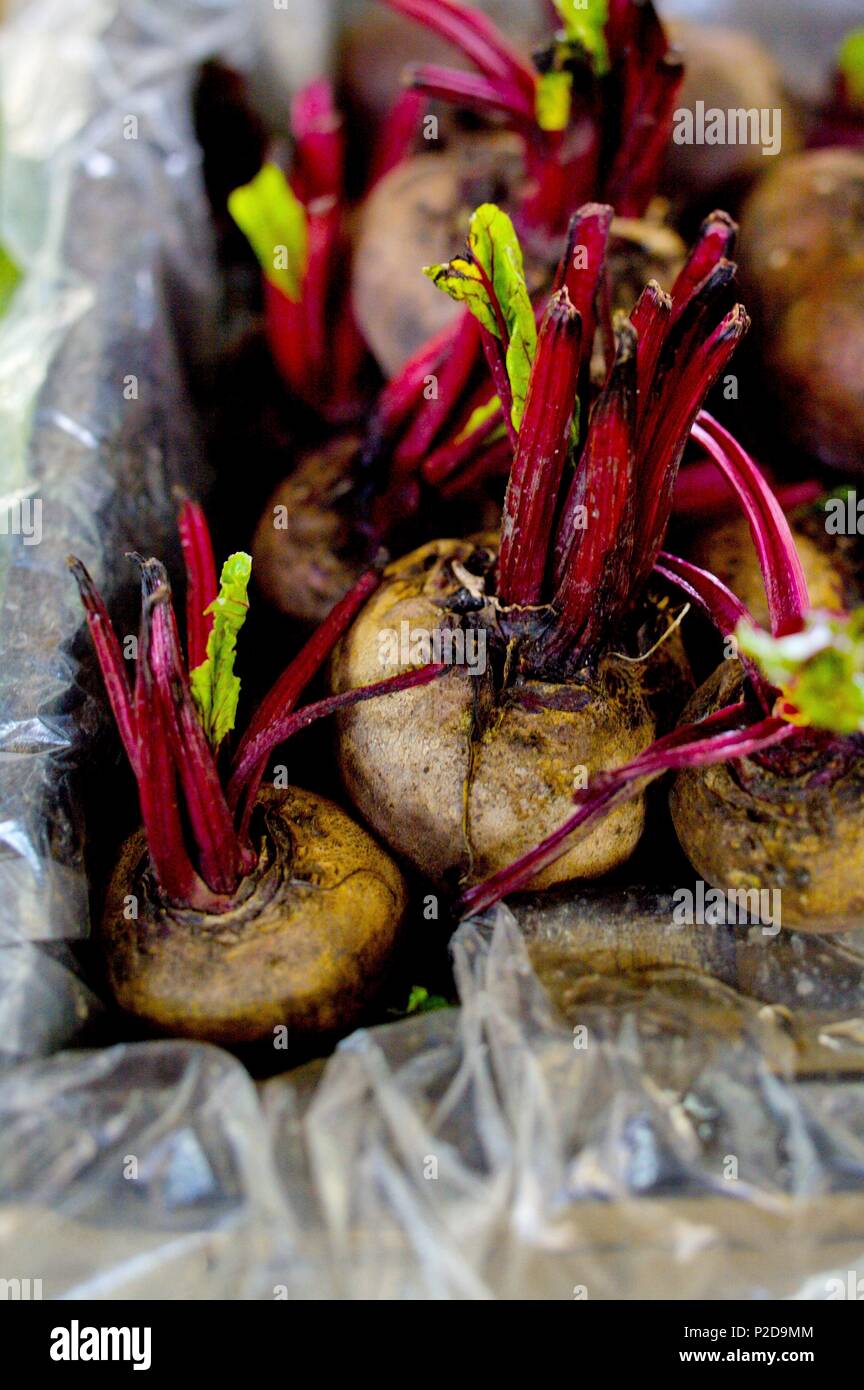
{"x": 618, "y": 1108}
{"x": 103, "y": 210}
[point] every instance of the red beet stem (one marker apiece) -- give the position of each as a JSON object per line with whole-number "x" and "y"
{"x": 596, "y": 560}
{"x": 541, "y": 451}
{"x": 284, "y": 322}
{"x": 667, "y": 429}
{"x": 702, "y": 491}
{"x": 582, "y": 270}
{"x": 636, "y": 168}
{"x": 785, "y": 585}
{"x": 202, "y": 585}
{"x": 324, "y": 230}
{"x": 319, "y": 143}
{"x": 493, "y": 460}
{"x": 431, "y": 417}
{"x": 158, "y": 794}
{"x": 404, "y": 392}
{"x": 723, "y": 607}
{"x": 691, "y": 745}
{"x": 249, "y": 770}
{"x": 469, "y": 89}
{"x": 475, "y": 36}
{"x": 651, "y": 316}
{"x": 554, "y": 183}
{"x": 395, "y": 139}
{"x": 221, "y": 860}
{"x": 110, "y": 658}
{"x": 288, "y": 688}
{"x": 715, "y": 243}
{"x": 461, "y": 447}
{"x": 645, "y": 78}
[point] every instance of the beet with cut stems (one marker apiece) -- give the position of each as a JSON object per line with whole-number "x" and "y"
{"x": 465, "y": 779}
{"x": 302, "y": 944}
{"x": 236, "y": 908}
{"x": 802, "y": 241}
{"x": 326, "y": 522}
{"x": 306, "y": 552}
{"x": 460, "y": 780}
{"x": 790, "y": 820}
{"x": 769, "y": 760}
{"x": 588, "y": 117}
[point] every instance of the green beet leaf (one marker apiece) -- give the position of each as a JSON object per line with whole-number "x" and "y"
{"x": 819, "y": 671}
{"x": 274, "y": 222}
{"x": 9, "y": 278}
{"x": 850, "y": 61}
{"x": 215, "y": 688}
{"x": 585, "y": 25}
{"x": 552, "y": 103}
{"x": 491, "y": 281}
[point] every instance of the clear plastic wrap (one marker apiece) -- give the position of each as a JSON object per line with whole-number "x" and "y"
{"x": 618, "y": 1108}
{"x": 651, "y": 1141}
{"x": 103, "y": 209}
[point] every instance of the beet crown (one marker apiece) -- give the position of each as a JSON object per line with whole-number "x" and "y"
{"x": 805, "y": 688}
{"x": 594, "y": 466}
{"x": 196, "y": 805}
{"x": 594, "y": 106}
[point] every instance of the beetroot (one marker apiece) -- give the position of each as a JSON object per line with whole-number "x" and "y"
{"x": 434, "y": 433}
{"x": 560, "y": 603}
{"x": 299, "y": 230}
{"x": 770, "y": 756}
{"x": 802, "y": 238}
{"x": 587, "y": 117}
{"x": 234, "y": 910}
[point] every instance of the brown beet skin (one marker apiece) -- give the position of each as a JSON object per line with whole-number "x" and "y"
{"x": 772, "y": 826}
{"x": 305, "y": 944}
{"x": 305, "y": 554}
{"x": 461, "y": 782}
{"x": 800, "y": 251}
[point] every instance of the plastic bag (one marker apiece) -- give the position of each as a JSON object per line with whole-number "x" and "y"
{"x": 102, "y": 208}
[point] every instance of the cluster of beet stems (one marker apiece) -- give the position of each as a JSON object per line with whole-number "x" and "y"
{"x": 197, "y": 803}
{"x": 593, "y": 108}
{"x": 563, "y": 588}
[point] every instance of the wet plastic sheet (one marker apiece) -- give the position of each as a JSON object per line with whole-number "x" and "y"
{"x": 470, "y": 1153}
{"x": 615, "y": 1110}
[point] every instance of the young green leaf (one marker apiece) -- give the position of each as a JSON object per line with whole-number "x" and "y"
{"x": 9, "y": 278}
{"x": 214, "y": 685}
{"x": 274, "y": 221}
{"x": 491, "y": 281}
{"x": 552, "y": 102}
{"x": 819, "y": 670}
{"x": 479, "y": 420}
{"x": 585, "y": 24}
{"x": 420, "y": 1001}
{"x": 850, "y": 61}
